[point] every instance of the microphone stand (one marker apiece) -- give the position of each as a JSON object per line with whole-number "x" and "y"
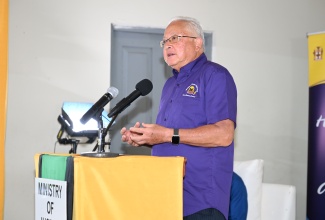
{"x": 100, "y": 140}
{"x": 102, "y": 132}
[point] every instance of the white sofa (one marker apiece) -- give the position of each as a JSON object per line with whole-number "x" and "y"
{"x": 266, "y": 201}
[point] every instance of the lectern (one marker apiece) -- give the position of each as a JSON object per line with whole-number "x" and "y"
{"x": 125, "y": 187}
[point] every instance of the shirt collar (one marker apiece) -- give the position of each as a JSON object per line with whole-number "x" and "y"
{"x": 188, "y": 68}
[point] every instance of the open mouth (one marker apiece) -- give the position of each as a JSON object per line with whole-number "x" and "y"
{"x": 170, "y": 54}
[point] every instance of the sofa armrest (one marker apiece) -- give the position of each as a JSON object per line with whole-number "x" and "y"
{"x": 278, "y": 202}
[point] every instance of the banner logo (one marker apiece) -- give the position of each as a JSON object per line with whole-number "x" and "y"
{"x": 318, "y": 53}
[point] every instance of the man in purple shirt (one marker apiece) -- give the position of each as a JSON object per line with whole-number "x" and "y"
{"x": 196, "y": 120}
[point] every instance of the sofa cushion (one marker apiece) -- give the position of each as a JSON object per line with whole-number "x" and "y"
{"x": 278, "y": 201}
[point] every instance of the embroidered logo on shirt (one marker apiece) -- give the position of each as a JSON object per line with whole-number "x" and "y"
{"x": 191, "y": 91}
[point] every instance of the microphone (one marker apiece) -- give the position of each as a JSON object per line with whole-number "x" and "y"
{"x": 112, "y": 92}
{"x": 142, "y": 88}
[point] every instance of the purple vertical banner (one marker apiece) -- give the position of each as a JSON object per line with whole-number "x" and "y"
{"x": 316, "y": 154}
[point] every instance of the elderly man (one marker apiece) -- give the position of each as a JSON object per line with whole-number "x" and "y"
{"x": 196, "y": 120}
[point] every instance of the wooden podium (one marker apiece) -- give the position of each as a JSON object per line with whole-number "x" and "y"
{"x": 126, "y": 187}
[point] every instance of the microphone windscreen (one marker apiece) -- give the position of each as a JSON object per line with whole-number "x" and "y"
{"x": 113, "y": 91}
{"x": 144, "y": 86}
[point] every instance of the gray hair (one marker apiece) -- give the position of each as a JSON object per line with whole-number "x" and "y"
{"x": 193, "y": 24}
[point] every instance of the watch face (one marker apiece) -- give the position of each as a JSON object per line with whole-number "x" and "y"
{"x": 175, "y": 139}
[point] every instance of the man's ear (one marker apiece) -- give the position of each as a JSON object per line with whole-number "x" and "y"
{"x": 198, "y": 43}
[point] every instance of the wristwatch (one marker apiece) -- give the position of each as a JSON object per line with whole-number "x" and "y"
{"x": 175, "y": 138}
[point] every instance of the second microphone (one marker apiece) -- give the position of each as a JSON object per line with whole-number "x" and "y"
{"x": 142, "y": 88}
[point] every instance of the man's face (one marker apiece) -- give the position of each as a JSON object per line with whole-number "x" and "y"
{"x": 183, "y": 50}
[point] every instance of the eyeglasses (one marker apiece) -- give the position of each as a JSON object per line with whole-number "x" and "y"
{"x": 173, "y": 39}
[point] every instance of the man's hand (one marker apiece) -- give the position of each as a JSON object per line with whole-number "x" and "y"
{"x": 150, "y": 134}
{"x": 127, "y": 133}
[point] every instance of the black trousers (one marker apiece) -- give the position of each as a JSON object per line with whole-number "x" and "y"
{"x": 206, "y": 214}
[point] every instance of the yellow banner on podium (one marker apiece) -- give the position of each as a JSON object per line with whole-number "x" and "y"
{"x": 128, "y": 187}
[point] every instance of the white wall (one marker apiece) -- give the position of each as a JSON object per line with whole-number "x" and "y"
{"x": 60, "y": 51}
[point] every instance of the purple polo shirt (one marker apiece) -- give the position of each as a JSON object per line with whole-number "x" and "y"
{"x": 202, "y": 93}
